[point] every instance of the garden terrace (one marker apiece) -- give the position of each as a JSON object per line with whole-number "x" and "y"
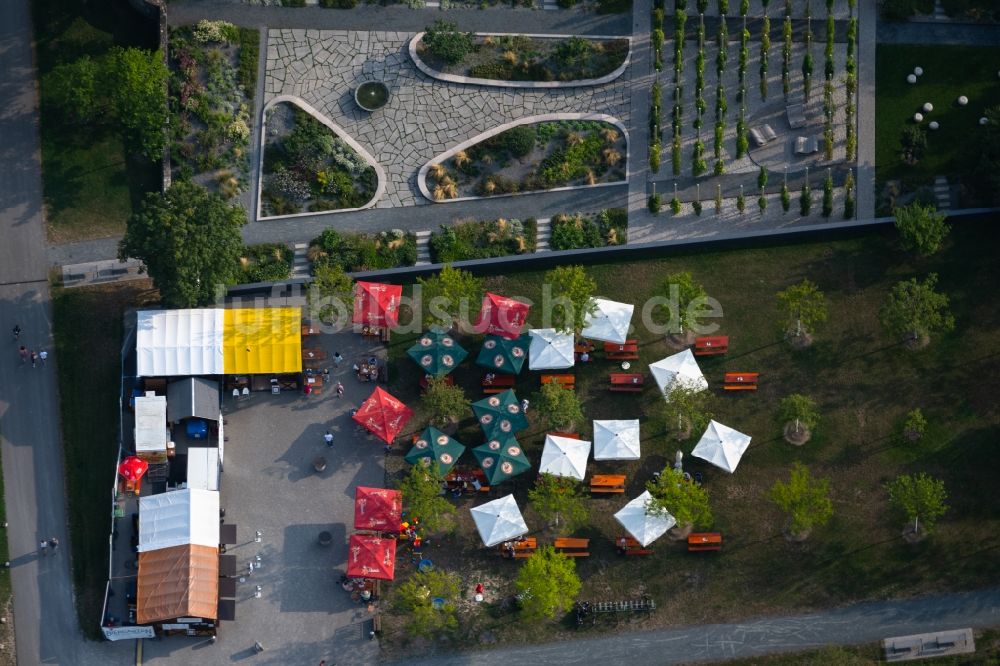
{"x": 307, "y": 166}
{"x": 363, "y": 252}
{"x": 529, "y": 58}
{"x": 268, "y": 262}
{"x": 482, "y": 240}
{"x": 531, "y": 157}
{"x": 864, "y": 382}
{"x": 213, "y": 78}
{"x": 568, "y": 232}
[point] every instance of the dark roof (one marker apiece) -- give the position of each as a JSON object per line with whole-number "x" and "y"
{"x": 193, "y": 397}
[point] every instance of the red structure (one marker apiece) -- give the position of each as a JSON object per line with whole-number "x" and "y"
{"x": 377, "y": 304}
{"x": 502, "y": 316}
{"x": 371, "y": 557}
{"x": 377, "y": 509}
{"x": 132, "y": 468}
{"x": 383, "y": 414}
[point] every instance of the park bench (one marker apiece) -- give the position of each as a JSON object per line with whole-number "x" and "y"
{"x": 626, "y": 381}
{"x": 704, "y": 541}
{"x": 522, "y": 549}
{"x": 740, "y": 381}
{"x": 626, "y": 352}
{"x": 607, "y": 483}
{"x": 314, "y": 354}
{"x": 633, "y": 547}
{"x": 711, "y": 345}
{"x": 566, "y": 381}
{"x": 499, "y": 384}
{"x": 572, "y": 547}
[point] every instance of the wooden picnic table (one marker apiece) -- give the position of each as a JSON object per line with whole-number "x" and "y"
{"x": 566, "y": 381}
{"x": 572, "y": 547}
{"x": 631, "y": 546}
{"x": 524, "y": 548}
{"x": 498, "y": 384}
{"x": 625, "y": 352}
{"x": 704, "y": 541}
{"x": 627, "y": 381}
{"x": 308, "y": 330}
{"x": 607, "y": 483}
{"x": 313, "y": 354}
{"x": 740, "y": 381}
{"x": 711, "y": 345}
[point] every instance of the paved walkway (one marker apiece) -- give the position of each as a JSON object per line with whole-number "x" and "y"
{"x": 862, "y": 623}
{"x": 867, "y": 25}
{"x": 45, "y": 620}
{"x": 922, "y": 32}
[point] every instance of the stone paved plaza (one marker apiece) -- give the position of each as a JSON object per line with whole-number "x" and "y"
{"x": 424, "y": 116}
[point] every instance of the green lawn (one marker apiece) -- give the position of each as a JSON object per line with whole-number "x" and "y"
{"x": 949, "y": 71}
{"x": 89, "y": 186}
{"x": 88, "y": 337}
{"x": 864, "y": 383}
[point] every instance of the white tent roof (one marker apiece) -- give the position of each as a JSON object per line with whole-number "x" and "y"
{"x": 565, "y": 456}
{"x": 681, "y": 368}
{"x": 203, "y": 468}
{"x": 722, "y": 446}
{"x": 179, "y": 342}
{"x": 550, "y": 349}
{"x": 179, "y": 518}
{"x": 609, "y": 322}
{"x": 616, "y": 440}
{"x": 499, "y": 521}
{"x": 150, "y": 423}
{"x": 643, "y": 527}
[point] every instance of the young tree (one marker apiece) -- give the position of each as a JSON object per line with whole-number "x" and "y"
{"x": 921, "y": 228}
{"x": 572, "y": 286}
{"x": 914, "y": 311}
{"x": 189, "y": 242}
{"x": 806, "y": 500}
{"x": 72, "y": 89}
{"x": 559, "y": 500}
{"x": 786, "y": 198}
{"x": 805, "y": 199}
{"x": 804, "y": 306}
{"x": 445, "y": 403}
{"x": 683, "y": 499}
{"x": 444, "y": 40}
{"x": 416, "y": 596}
{"x": 800, "y": 416}
{"x": 332, "y": 291}
{"x": 558, "y": 406}
{"x": 547, "y": 584}
{"x": 921, "y": 498}
{"x": 687, "y": 410}
{"x": 682, "y": 290}
{"x": 422, "y": 498}
{"x": 449, "y": 295}
{"x": 136, "y": 81}
{"x": 914, "y": 426}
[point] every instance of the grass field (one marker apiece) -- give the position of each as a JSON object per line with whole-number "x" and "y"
{"x": 864, "y": 383}
{"x": 88, "y": 337}
{"x": 949, "y": 71}
{"x": 89, "y": 183}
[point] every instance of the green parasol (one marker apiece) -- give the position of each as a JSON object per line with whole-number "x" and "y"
{"x": 503, "y": 355}
{"x": 435, "y": 446}
{"x": 500, "y": 415}
{"x": 437, "y": 352}
{"x": 501, "y": 459}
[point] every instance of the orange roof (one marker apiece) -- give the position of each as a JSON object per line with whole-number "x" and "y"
{"x": 180, "y": 581}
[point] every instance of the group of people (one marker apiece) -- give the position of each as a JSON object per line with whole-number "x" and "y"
{"x": 29, "y": 354}
{"x": 369, "y": 371}
{"x": 45, "y": 544}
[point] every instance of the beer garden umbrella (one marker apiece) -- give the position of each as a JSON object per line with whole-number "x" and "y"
{"x": 680, "y": 369}
{"x": 722, "y": 446}
{"x": 609, "y": 322}
{"x": 377, "y": 304}
{"x": 502, "y": 316}
{"x": 500, "y": 415}
{"x": 371, "y": 556}
{"x": 616, "y": 439}
{"x": 377, "y": 509}
{"x": 499, "y": 521}
{"x": 437, "y": 353}
{"x": 433, "y": 446}
{"x": 503, "y": 355}
{"x": 132, "y": 468}
{"x": 565, "y": 456}
{"x": 644, "y": 527}
{"x": 383, "y": 415}
{"x": 501, "y": 459}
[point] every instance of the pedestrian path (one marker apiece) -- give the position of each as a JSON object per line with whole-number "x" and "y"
{"x": 423, "y": 247}
{"x": 543, "y": 235}
{"x": 939, "y": 13}
{"x": 549, "y": 5}
{"x": 942, "y": 192}
{"x": 301, "y": 267}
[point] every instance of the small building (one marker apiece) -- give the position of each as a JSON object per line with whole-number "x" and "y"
{"x": 151, "y": 433}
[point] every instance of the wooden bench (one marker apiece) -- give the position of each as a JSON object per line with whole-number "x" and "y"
{"x": 567, "y": 435}
{"x": 626, "y": 352}
{"x": 626, "y": 381}
{"x": 633, "y": 547}
{"x": 572, "y": 547}
{"x": 525, "y": 548}
{"x": 704, "y": 541}
{"x": 711, "y": 345}
{"x": 607, "y": 483}
{"x": 566, "y": 381}
{"x": 740, "y": 381}
{"x": 499, "y": 384}
{"x": 314, "y": 354}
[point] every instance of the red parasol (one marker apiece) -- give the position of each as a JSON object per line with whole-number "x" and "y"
{"x": 502, "y": 316}
{"x": 371, "y": 557}
{"x": 132, "y": 468}
{"x": 377, "y": 509}
{"x": 377, "y": 304}
{"x": 383, "y": 415}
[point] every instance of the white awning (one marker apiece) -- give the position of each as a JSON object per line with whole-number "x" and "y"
{"x": 644, "y": 527}
{"x": 722, "y": 446}
{"x": 178, "y": 518}
{"x": 499, "y": 521}
{"x": 550, "y": 349}
{"x": 565, "y": 456}
{"x": 616, "y": 440}
{"x": 179, "y": 342}
{"x": 203, "y": 468}
{"x": 679, "y": 369}
{"x": 609, "y": 322}
{"x": 150, "y": 423}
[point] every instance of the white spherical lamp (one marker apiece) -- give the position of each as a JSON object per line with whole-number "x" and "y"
{"x": 911, "y": 78}
{"x": 933, "y": 125}
{"x": 984, "y": 120}
{"x": 919, "y": 71}
{"x": 962, "y": 100}
{"x": 928, "y": 107}
{"x": 918, "y": 117}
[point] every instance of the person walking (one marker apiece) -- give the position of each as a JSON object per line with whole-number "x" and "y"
{"x": 23, "y": 351}
{"x": 53, "y": 544}
{"x": 524, "y": 406}
{"x": 328, "y": 438}
{"x": 16, "y": 331}
{"x": 337, "y": 359}
{"x": 340, "y": 390}
{"x": 43, "y": 547}
{"x": 42, "y": 356}
{"x": 34, "y": 358}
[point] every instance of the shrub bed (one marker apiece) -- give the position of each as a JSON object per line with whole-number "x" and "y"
{"x": 363, "y": 252}
{"x": 482, "y": 240}
{"x": 534, "y": 157}
{"x": 213, "y": 78}
{"x": 570, "y": 232}
{"x": 307, "y": 166}
{"x": 268, "y": 262}
{"x": 521, "y": 58}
